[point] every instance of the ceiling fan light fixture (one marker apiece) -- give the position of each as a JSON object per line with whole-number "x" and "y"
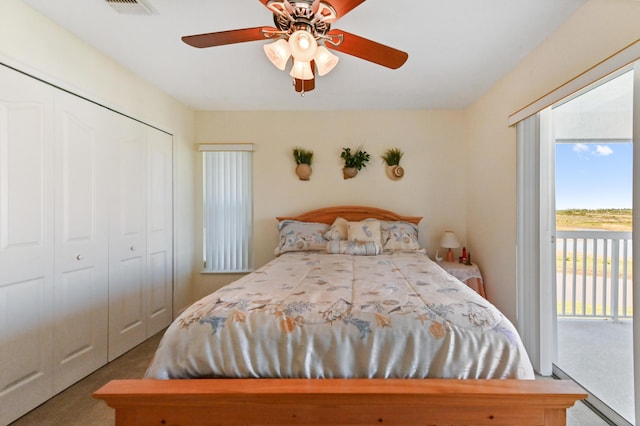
{"x": 301, "y": 70}
{"x": 299, "y": 25}
{"x": 303, "y": 45}
{"x": 325, "y": 60}
{"x": 278, "y": 53}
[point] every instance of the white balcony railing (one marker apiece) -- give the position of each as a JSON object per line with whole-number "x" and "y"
{"x": 594, "y": 274}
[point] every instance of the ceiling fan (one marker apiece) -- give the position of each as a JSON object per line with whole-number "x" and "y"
{"x": 303, "y": 32}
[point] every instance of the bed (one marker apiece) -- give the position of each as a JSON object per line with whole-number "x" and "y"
{"x": 351, "y": 323}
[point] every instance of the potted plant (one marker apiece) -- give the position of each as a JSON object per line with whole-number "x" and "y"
{"x": 392, "y": 158}
{"x": 303, "y": 159}
{"x": 353, "y": 161}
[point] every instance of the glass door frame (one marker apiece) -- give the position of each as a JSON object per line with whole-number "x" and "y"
{"x": 535, "y": 242}
{"x": 547, "y": 167}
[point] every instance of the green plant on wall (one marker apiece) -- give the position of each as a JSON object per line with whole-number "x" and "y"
{"x": 392, "y": 156}
{"x": 303, "y": 158}
{"x": 357, "y": 160}
{"x": 354, "y": 161}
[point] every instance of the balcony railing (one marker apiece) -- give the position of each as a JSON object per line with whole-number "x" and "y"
{"x": 594, "y": 274}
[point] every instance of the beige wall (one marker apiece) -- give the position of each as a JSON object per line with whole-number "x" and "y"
{"x": 596, "y": 31}
{"x": 36, "y": 45}
{"x": 460, "y": 165}
{"x": 433, "y": 185}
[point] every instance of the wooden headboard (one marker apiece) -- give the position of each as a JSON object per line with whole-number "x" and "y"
{"x": 352, "y": 213}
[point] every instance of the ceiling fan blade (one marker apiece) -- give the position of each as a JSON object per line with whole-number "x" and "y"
{"x": 305, "y": 85}
{"x": 227, "y": 37}
{"x": 315, "y": 5}
{"x": 368, "y": 50}
{"x": 342, "y": 7}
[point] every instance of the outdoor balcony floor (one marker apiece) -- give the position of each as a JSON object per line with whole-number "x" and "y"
{"x": 597, "y": 353}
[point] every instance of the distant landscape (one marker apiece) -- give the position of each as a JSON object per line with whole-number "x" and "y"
{"x": 602, "y": 219}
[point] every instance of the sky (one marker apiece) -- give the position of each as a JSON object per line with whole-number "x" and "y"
{"x": 593, "y": 175}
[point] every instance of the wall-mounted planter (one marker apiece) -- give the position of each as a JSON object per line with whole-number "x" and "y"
{"x": 303, "y": 171}
{"x": 395, "y": 172}
{"x": 349, "y": 172}
{"x": 353, "y": 161}
{"x": 303, "y": 158}
{"x": 392, "y": 159}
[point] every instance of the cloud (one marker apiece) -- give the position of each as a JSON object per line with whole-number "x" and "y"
{"x": 603, "y": 150}
{"x": 580, "y": 147}
{"x": 599, "y": 150}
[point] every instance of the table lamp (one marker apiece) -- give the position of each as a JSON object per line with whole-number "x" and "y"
{"x": 449, "y": 241}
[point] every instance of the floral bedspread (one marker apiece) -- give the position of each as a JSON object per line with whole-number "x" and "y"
{"x": 318, "y": 315}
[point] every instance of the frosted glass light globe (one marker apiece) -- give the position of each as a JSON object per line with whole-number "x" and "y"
{"x": 303, "y": 45}
{"x": 301, "y": 70}
{"x": 278, "y": 53}
{"x": 325, "y": 60}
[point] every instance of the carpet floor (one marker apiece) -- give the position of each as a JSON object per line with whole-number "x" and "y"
{"x": 76, "y": 406}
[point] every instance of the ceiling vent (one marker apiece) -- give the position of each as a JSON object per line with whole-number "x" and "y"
{"x": 131, "y": 7}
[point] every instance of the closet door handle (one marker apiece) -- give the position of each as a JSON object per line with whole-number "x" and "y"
{"x": 132, "y": 248}
{"x": 79, "y": 257}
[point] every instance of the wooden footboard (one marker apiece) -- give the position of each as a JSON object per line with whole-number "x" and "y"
{"x": 340, "y": 401}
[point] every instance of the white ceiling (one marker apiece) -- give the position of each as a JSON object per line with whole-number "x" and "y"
{"x": 457, "y": 50}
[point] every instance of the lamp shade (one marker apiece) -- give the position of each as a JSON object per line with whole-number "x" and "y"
{"x": 302, "y": 45}
{"x": 449, "y": 240}
{"x": 301, "y": 70}
{"x": 325, "y": 60}
{"x": 278, "y": 53}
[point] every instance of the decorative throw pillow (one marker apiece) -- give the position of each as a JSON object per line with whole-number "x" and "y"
{"x": 339, "y": 230}
{"x": 400, "y": 236}
{"x": 356, "y": 248}
{"x": 366, "y": 230}
{"x": 301, "y": 236}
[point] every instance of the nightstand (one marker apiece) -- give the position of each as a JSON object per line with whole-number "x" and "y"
{"x": 468, "y": 274}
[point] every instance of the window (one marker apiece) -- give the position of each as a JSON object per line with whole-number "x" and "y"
{"x": 228, "y": 207}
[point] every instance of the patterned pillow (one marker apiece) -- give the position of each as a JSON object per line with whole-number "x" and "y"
{"x": 366, "y": 230}
{"x": 400, "y": 236}
{"x": 301, "y": 236}
{"x": 356, "y": 248}
{"x": 339, "y": 230}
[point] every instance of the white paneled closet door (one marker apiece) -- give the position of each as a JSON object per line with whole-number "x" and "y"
{"x": 128, "y": 238}
{"x": 26, "y": 243}
{"x": 159, "y": 230}
{"x": 141, "y": 236}
{"x": 81, "y": 239}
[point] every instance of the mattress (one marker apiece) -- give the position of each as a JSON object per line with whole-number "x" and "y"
{"x": 319, "y": 315}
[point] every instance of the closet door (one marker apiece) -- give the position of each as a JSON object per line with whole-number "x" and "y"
{"x": 128, "y": 233}
{"x": 26, "y": 243}
{"x": 81, "y": 239}
{"x": 159, "y": 231}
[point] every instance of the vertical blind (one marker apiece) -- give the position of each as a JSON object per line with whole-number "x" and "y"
{"x": 228, "y": 207}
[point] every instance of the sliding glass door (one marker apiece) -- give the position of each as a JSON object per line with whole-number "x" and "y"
{"x": 592, "y": 133}
{"x": 575, "y": 278}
